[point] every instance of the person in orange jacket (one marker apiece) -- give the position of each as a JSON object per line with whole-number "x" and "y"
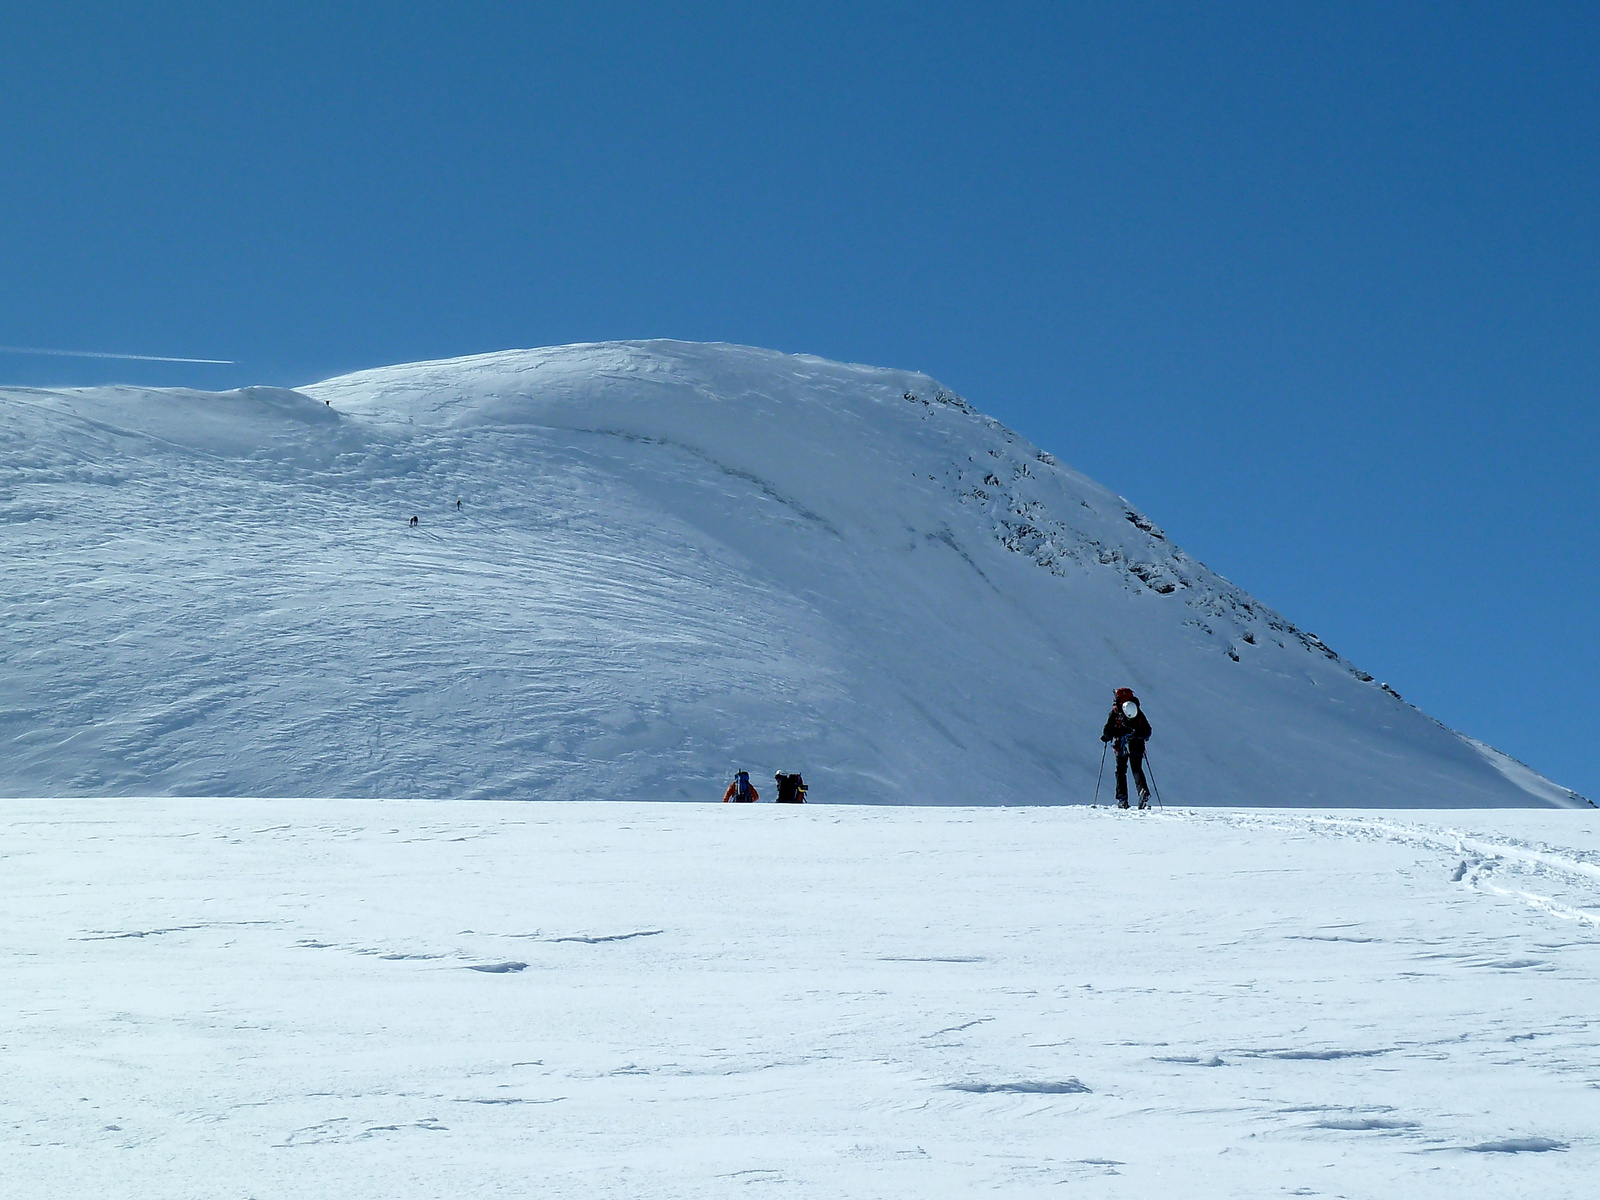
{"x": 740, "y": 790}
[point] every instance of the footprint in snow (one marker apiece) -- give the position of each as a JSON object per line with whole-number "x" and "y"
{"x": 1364, "y": 1124}
{"x": 1527, "y": 1145}
{"x": 609, "y": 937}
{"x": 429, "y": 1123}
{"x": 1024, "y": 1087}
{"x": 136, "y": 933}
{"x": 1314, "y": 1055}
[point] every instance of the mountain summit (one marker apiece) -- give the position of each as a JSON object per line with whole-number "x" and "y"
{"x": 637, "y": 567}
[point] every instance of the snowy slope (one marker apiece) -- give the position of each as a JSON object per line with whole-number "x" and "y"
{"x": 406, "y": 1001}
{"x": 671, "y": 560}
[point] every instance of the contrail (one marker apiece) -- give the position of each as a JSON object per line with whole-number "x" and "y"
{"x": 216, "y": 362}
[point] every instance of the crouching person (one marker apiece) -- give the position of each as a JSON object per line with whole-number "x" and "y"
{"x": 791, "y": 788}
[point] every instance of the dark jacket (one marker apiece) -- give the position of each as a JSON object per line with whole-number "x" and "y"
{"x": 791, "y": 788}
{"x": 1118, "y": 725}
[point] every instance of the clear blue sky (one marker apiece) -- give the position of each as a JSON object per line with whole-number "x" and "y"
{"x": 1316, "y": 285}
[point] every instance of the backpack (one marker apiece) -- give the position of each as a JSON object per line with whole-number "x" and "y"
{"x": 741, "y": 787}
{"x": 791, "y": 788}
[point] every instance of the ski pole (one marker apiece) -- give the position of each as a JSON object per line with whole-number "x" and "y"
{"x": 1104, "y": 746}
{"x": 1153, "y": 782}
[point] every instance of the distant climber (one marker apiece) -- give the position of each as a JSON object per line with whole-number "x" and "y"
{"x": 458, "y": 506}
{"x": 740, "y": 791}
{"x": 1129, "y": 729}
{"x": 791, "y": 788}
{"x": 413, "y": 522}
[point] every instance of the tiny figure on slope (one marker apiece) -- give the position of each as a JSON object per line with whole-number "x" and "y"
{"x": 791, "y": 788}
{"x": 1128, "y": 728}
{"x": 740, "y": 791}
{"x": 458, "y": 506}
{"x": 413, "y": 522}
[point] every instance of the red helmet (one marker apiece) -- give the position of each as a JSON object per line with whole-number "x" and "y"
{"x": 1125, "y": 694}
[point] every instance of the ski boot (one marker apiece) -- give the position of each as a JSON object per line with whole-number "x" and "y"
{"x": 1123, "y": 803}
{"x": 1144, "y": 799}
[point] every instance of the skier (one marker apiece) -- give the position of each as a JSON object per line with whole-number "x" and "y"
{"x": 791, "y": 788}
{"x": 740, "y": 791}
{"x": 1129, "y": 729}
{"x": 413, "y": 522}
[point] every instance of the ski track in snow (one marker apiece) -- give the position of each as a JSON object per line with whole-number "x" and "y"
{"x": 302, "y": 998}
{"x": 1482, "y": 864}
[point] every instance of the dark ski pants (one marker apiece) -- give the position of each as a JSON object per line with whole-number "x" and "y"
{"x": 1131, "y": 749}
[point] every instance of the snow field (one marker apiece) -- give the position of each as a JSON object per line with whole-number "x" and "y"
{"x": 307, "y": 998}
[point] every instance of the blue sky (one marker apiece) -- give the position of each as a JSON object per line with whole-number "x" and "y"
{"x": 1315, "y": 285}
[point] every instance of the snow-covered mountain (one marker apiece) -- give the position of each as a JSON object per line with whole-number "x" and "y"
{"x": 637, "y": 567}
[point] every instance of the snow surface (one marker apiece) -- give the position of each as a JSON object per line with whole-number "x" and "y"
{"x": 314, "y": 998}
{"x": 671, "y": 561}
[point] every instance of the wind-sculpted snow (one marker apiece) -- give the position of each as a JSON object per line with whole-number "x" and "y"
{"x": 403, "y": 1001}
{"x": 668, "y": 561}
